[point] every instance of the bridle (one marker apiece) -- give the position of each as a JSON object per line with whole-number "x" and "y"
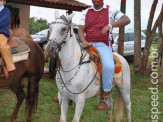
{"x": 81, "y": 62}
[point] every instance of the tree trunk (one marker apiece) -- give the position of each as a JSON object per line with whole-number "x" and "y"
{"x": 137, "y": 35}
{"x": 121, "y": 31}
{"x": 160, "y": 42}
{"x": 162, "y": 64}
{"x": 144, "y": 69}
{"x": 140, "y": 62}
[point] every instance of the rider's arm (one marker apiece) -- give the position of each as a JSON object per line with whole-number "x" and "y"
{"x": 81, "y": 30}
{"x": 116, "y": 19}
{"x": 124, "y": 20}
{"x": 5, "y": 19}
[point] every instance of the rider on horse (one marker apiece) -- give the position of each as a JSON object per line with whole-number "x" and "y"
{"x": 97, "y": 22}
{"x": 4, "y": 35}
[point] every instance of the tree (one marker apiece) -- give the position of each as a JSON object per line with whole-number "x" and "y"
{"x": 38, "y": 24}
{"x": 121, "y": 30}
{"x": 137, "y": 35}
{"x": 142, "y": 67}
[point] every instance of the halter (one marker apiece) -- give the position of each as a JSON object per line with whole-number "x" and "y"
{"x": 69, "y": 30}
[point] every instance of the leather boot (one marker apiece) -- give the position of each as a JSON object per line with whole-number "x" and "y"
{"x": 103, "y": 104}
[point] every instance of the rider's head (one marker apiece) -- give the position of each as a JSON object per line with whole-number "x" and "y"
{"x": 2, "y": 2}
{"x": 97, "y": 3}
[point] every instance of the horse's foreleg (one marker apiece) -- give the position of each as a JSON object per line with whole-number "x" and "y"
{"x": 20, "y": 94}
{"x": 64, "y": 109}
{"x": 79, "y": 108}
{"x": 110, "y": 109}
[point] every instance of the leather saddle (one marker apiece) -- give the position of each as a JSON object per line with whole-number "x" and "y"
{"x": 11, "y": 42}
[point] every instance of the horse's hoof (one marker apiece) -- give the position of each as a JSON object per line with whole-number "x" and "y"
{"x": 57, "y": 101}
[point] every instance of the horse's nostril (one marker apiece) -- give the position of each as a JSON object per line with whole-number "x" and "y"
{"x": 51, "y": 49}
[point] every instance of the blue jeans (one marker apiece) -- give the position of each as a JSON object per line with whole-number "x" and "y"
{"x": 107, "y": 64}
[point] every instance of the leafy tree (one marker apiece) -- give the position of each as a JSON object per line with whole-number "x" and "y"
{"x": 38, "y": 24}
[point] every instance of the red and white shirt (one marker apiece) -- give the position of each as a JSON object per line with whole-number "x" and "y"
{"x": 93, "y": 20}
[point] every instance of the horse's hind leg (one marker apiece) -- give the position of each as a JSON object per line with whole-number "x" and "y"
{"x": 126, "y": 97}
{"x": 80, "y": 100}
{"x": 32, "y": 96}
{"x": 20, "y": 94}
{"x": 110, "y": 109}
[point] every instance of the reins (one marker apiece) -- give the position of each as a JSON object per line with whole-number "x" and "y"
{"x": 62, "y": 82}
{"x": 78, "y": 65}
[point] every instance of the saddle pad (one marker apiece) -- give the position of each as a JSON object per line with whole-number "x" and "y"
{"x": 22, "y": 47}
{"x": 117, "y": 69}
{"x": 20, "y": 52}
{"x": 117, "y": 62}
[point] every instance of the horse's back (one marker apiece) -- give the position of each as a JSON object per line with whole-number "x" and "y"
{"x": 36, "y": 56}
{"x": 20, "y": 32}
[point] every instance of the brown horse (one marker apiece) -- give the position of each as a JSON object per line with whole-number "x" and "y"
{"x": 32, "y": 69}
{"x": 20, "y": 32}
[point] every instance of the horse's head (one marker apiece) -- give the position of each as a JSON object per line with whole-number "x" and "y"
{"x": 60, "y": 31}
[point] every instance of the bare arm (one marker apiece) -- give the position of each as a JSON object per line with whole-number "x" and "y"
{"x": 124, "y": 20}
{"x": 82, "y": 37}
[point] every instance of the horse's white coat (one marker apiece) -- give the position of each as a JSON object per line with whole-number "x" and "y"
{"x": 69, "y": 55}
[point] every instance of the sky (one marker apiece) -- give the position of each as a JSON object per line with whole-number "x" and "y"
{"x": 48, "y": 14}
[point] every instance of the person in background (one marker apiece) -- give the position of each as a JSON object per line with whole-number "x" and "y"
{"x": 95, "y": 29}
{"x": 5, "y": 51}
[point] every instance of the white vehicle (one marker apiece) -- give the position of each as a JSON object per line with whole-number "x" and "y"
{"x": 128, "y": 42}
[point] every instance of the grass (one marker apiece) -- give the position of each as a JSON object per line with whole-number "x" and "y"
{"x": 48, "y": 111}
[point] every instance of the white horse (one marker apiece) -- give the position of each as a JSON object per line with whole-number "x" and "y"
{"x": 76, "y": 76}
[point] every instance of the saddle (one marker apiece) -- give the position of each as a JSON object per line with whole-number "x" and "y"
{"x": 19, "y": 52}
{"x": 117, "y": 64}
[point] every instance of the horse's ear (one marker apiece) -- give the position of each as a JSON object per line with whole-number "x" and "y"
{"x": 69, "y": 18}
{"x": 56, "y": 14}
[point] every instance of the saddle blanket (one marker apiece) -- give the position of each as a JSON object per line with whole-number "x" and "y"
{"x": 117, "y": 67}
{"x": 20, "y": 52}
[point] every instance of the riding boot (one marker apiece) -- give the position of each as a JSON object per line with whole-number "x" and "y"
{"x": 103, "y": 104}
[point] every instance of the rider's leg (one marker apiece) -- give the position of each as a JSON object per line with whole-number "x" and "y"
{"x": 6, "y": 53}
{"x": 107, "y": 72}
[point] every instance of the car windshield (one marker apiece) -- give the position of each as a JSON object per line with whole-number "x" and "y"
{"x": 44, "y": 32}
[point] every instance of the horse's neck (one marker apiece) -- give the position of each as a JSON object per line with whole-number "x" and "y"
{"x": 70, "y": 53}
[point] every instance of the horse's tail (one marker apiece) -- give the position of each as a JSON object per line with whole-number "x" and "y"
{"x": 119, "y": 105}
{"x": 32, "y": 94}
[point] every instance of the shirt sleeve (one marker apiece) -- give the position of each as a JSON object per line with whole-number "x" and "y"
{"x": 6, "y": 19}
{"x": 115, "y": 14}
{"x": 83, "y": 16}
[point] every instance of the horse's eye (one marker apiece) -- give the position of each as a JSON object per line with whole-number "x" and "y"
{"x": 63, "y": 29}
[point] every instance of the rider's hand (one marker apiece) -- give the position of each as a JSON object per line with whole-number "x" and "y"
{"x": 105, "y": 29}
{"x": 86, "y": 44}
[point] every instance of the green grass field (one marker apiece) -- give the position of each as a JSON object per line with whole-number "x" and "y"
{"x": 48, "y": 111}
